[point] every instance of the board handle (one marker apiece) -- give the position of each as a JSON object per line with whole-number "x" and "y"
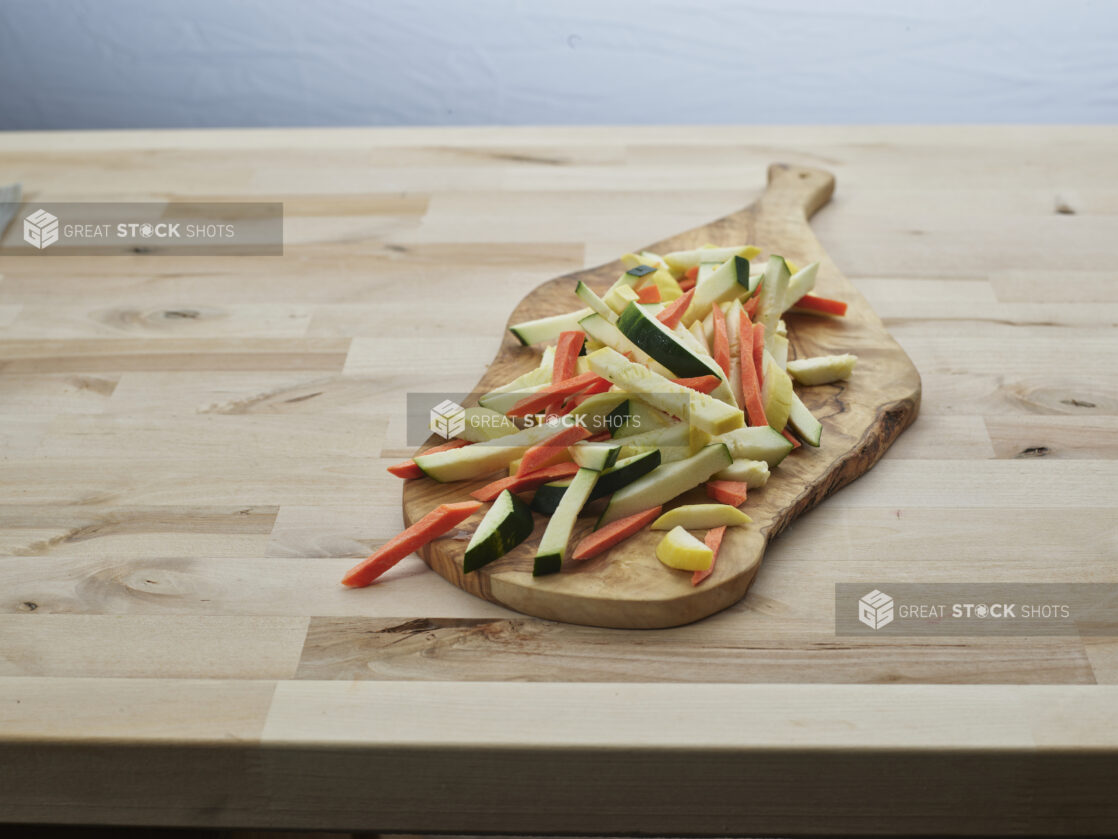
{"x": 797, "y": 190}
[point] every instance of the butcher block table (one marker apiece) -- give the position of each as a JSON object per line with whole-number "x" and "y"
{"x": 194, "y": 451}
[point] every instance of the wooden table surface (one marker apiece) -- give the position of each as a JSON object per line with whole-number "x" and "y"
{"x": 192, "y": 451}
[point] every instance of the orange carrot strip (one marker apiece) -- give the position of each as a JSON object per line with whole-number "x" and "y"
{"x": 519, "y": 483}
{"x": 410, "y": 469}
{"x": 557, "y": 456}
{"x": 648, "y": 294}
{"x": 703, "y": 384}
{"x": 692, "y": 273}
{"x": 600, "y": 437}
{"x": 673, "y": 312}
{"x": 616, "y": 531}
{"x": 713, "y": 540}
{"x": 686, "y": 285}
{"x": 750, "y": 387}
{"x": 430, "y": 527}
{"x": 580, "y": 397}
{"x": 751, "y": 306}
{"x": 791, "y": 438}
{"x": 824, "y": 305}
{"x": 720, "y": 345}
{"x": 566, "y": 355}
{"x": 728, "y": 492}
{"x": 539, "y": 400}
{"x": 759, "y": 352}
{"x": 540, "y": 454}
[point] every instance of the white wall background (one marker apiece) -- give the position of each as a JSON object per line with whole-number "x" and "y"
{"x": 158, "y": 63}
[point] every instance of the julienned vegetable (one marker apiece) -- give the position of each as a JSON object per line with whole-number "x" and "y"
{"x": 427, "y": 529}
{"x": 712, "y": 540}
{"x": 541, "y": 454}
{"x": 666, "y": 482}
{"x": 685, "y": 383}
{"x": 750, "y": 383}
{"x": 519, "y": 483}
{"x": 606, "y": 537}
{"x": 731, "y": 493}
{"x": 508, "y": 523}
{"x": 703, "y": 384}
{"x": 538, "y": 401}
{"x": 410, "y": 469}
{"x": 671, "y": 314}
{"x": 706, "y": 412}
{"x": 824, "y": 305}
{"x": 553, "y": 544}
{"x": 566, "y": 355}
{"x": 700, "y": 517}
{"x": 481, "y": 459}
{"x": 822, "y": 370}
{"x": 679, "y": 549}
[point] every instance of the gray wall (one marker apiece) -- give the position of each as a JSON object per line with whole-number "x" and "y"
{"x": 141, "y": 63}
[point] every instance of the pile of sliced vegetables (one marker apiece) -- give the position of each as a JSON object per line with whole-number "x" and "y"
{"x": 677, "y": 377}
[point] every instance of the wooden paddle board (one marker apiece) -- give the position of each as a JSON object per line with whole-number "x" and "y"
{"x": 628, "y": 587}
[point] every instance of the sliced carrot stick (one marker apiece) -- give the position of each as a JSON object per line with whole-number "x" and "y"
{"x": 750, "y": 387}
{"x": 566, "y": 355}
{"x": 728, "y": 492}
{"x": 577, "y": 399}
{"x": 703, "y": 384}
{"x": 406, "y": 469}
{"x": 557, "y": 456}
{"x": 713, "y": 540}
{"x": 541, "y": 454}
{"x": 686, "y": 284}
{"x": 823, "y": 305}
{"x": 616, "y": 531}
{"x": 519, "y": 483}
{"x": 648, "y": 294}
{"x": 554, "y": 408}
{"x": 751, "y": 306}
{"x": 542, "y": 398}
{"x": 692, "y": 273}
{"x": 410, "y": 469}
{"x": 430, "y": 527}
{"x": 673, "y": 312}
{"x": 720, "y": 343}
{"x": 791, "y": 438}
{"x": 600, "y": 437}
{"x": 759, "y": 352}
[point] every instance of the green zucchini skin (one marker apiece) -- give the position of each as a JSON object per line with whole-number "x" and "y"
{"x": 667, "y": 482}
{"x": 548, "y": 496}
{"x": 550, "y": 563}
{"x": 553, "y": 543}
{"x": 508, "y": 532}
{"x": 637, "y": 325}
{"x": 617, "y": 419}
{"x": 625, "y": 473}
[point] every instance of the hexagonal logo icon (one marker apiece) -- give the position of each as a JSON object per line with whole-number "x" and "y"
{"x": 448, "y": 419}
{"x": 875, "y": 609}
{"x": 40, "y": 229}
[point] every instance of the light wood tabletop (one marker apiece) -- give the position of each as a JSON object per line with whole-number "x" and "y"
{"x": 193, "y": 451}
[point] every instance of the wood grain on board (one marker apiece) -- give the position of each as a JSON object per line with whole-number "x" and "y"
{"x": 627, "y": 586}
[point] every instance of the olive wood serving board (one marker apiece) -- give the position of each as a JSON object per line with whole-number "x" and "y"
{"x": 627, "y": 587}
